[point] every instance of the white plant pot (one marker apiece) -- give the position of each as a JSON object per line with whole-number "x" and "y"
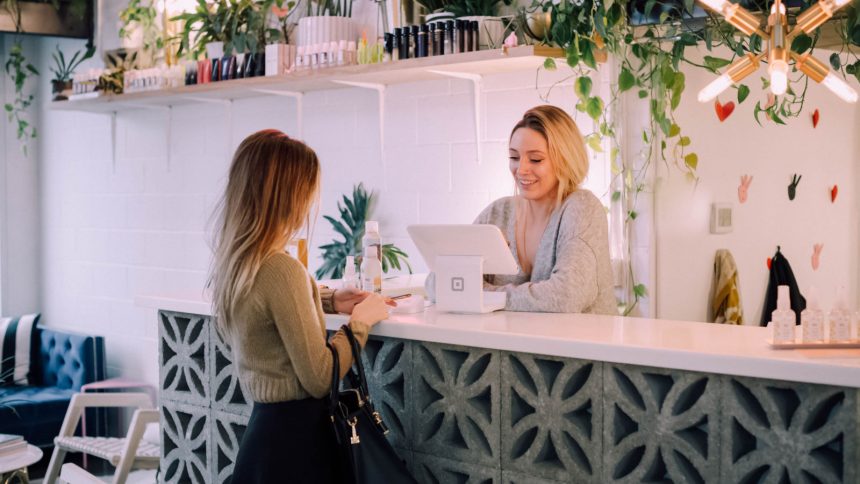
{"x": 491, "y": 31}
{"x": 319, "y": 29}
{"x": 215, "y": 50}
{"x": 438, "y": 17}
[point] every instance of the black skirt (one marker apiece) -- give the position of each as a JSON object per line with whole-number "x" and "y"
{"x": 288, "y": 442}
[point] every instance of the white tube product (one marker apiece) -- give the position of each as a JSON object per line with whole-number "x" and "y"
{"x": 840, "y": 319}
{"x": 371, "y": 271}
{"x": 782, "y": 319}
{"x": 812, "y": 319}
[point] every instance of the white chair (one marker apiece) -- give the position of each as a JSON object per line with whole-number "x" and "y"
{"x": 124, "y": 453}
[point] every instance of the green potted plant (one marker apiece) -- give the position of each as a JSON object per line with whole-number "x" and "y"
{"x": 206, "y": 29}
{"x": 354, "y": 212}
{"x": 61, "y": 84}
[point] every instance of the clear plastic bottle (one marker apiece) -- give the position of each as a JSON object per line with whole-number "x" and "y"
{"x": 812, "y": 319}
{"x": 840, "y": 319}
{"x": 372, "y": 238}
{"x": 350, "y": 278}
{"x": 371, "y": 271}
{"x": 783, "y": 319}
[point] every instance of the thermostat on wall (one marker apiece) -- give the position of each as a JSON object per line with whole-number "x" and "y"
{"x": 721, "y": 218}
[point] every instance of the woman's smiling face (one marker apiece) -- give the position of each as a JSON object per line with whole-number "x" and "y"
{"x": 530, "y": 165}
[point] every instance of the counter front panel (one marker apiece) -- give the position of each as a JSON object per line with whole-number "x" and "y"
{"x": 464, "y": 413}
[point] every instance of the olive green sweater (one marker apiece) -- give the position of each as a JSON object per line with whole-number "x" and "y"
{"x": 278, "y": 334}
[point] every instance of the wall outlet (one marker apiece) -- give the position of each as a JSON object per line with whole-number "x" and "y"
{"x": 721, "y": 218}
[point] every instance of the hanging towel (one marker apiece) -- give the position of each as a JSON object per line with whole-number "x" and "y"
{"x": 726, "y": 298}
{"x": 781, "y": 275}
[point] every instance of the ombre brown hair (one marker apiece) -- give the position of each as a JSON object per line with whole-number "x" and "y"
{"x": 564, "y": 142}
{"x": 273, "y": 182}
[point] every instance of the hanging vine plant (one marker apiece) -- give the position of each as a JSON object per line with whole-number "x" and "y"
{"x": 649, "y": 63}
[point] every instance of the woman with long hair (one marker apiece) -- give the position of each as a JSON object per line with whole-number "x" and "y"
{"x": 269, "y": 310}
{"x": 557, "y": 231}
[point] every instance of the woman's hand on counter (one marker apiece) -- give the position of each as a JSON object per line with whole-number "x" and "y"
{"x": 344, "y": 300}
{"x": 371, "y": 310}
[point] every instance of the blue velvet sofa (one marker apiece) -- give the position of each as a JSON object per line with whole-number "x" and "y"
{"x": 62, "y": 362}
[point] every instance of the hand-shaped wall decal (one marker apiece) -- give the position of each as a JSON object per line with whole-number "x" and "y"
{"x": 816, "y": 256}
{"x": 792, "y": 187}
{"x": 744, "y": 187}
{"x": 833, "y": 192}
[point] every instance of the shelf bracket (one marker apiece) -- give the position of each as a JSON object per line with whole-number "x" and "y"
{"x": 298, "y": 96}
{"x": 477, "y": 88}
{"x": 380, "y": 90}
{"x": 113, "y": 141}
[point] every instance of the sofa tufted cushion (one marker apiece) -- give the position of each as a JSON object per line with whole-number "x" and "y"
{"x": 69, "y": 360}
{"x": 34, "y": 412}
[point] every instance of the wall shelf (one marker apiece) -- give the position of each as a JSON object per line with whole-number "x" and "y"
{"x": 472, "y": 63}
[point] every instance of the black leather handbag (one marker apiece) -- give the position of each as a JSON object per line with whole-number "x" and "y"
{"x": 367, "y": 455}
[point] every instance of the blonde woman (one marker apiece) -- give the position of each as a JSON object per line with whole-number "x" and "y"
{"x": 270, "y": 312}
{"x": 556, "y": 230}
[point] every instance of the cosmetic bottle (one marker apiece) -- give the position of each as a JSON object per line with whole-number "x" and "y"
{"x": 322, "y": 55}
{"x": 467, "y": 28}
{"x": 332, "y": 53}
{"x": 341, "y": 53}
{"x": 350, "y": 278}
{"x": 449, "y": 37}
{"x": 459, "y": 37}
{"x": 431, "y": 40}
{"x": 371, "y": 271}
{"x": 351, "y": 58}
{"x": 422, "y": 41}
{"x": 313, "y": 58}
{"x": 300, "y": 58}
{"x": 413, "y": 36}
{"x": 396, "y": 35}
{"x": 476, "y": 29}
{"x": 840, "y": 319}
{"x": 783, "y": 318}
{"x": 812, "y": 319}
{"x": 372, "y": 238}
{"x": 389, "y": 48}
{"x": 404, "y": 43}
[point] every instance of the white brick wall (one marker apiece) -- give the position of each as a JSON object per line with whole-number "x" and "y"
{"x": 137, "y": 226}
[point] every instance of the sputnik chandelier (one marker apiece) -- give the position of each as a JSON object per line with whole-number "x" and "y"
{"x": 779, "y": 48}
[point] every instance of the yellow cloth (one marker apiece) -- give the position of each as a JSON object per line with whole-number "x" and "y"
{"x": 726, "y": 302}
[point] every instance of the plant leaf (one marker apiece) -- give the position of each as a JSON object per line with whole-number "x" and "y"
{"x": 625, "y": 80}
{"x": 582, "y": 87}
{"x": 801, "y": 43}
{"x": 692, "y": 160}
{"x": 743, "y": 92}
{"x": 549, "y": 64}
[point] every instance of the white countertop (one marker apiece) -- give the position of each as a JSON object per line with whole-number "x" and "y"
{"x": 704, "y": 347}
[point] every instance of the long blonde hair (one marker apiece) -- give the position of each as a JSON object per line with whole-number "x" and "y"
{"x": 564, "y": 142}
{"x": 272, "y": 185}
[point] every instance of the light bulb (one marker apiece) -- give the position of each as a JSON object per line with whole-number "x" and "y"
{"x": 840, "y": 88}
{"x": 778, "y": 77}
{"x": 714, "y": 89}
{"x": 839, "y": 3}
{"x": 715, "y": 5}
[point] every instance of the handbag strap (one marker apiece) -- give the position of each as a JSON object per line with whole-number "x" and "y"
{"x": 334, "y": 391}
{"x": 356, "y": 358}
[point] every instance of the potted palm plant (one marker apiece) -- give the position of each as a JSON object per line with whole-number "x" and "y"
{"x": 61, "y": 84}
{"x": 353, "y": 213}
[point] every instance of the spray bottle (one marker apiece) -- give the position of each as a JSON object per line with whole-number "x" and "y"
{"x": 350, "y": 279}
{"x": 812, "y": 319}
{"x": 783, "y": 318}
